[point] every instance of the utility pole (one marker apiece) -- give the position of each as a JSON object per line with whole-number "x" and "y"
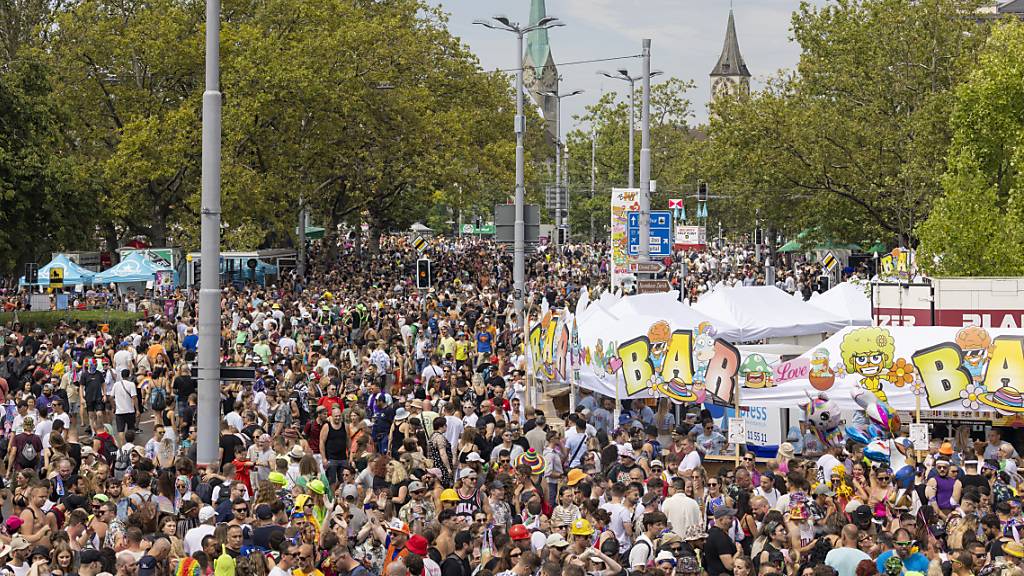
{"x": 645, "y": 158}
{"x": 519, "y": 226}
{"x": 208, "y": 421}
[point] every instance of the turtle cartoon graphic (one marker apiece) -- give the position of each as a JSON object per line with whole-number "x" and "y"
{"x": 756, "y": 372}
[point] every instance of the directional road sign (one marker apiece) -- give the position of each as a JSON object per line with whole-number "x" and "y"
{"x": 646, "y": 267}
{"x": 652, "y": 286}
{"x": 661, "y": 233}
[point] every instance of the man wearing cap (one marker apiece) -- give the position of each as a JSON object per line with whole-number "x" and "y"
{"x": 399, "y": 536}
{"x": 193, "y": 541}
{"x": 419, "y": 546}
{"x": 719, "y": 548}
{"x": 418, "y": 512}
{"x": 20, "y": 551}
{"x": 90, "y": 562}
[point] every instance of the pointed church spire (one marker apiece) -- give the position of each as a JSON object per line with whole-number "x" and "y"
{"x": 539, "y": 73}
{"x": 730, "y": 63}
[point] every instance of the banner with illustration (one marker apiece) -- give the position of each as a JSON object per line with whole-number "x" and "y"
{"x": 621, "y": 351}
{"x": 944, "y": 369}
{"x": 624, "y": 201}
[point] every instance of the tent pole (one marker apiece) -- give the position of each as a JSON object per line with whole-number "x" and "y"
{"x": 737, "y": 455}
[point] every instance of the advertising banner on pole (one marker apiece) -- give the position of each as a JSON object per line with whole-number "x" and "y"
{"x": 624, "y": 201}
{"x": 691, "y": 237}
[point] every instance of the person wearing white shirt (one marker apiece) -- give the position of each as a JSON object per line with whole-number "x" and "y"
{"x": 455, "y": 427}
{"x": 691, "y": 458}
{"x": 193, "y": 541}
{"x": 767, "y": 490}
{"x": 125, "y": 393}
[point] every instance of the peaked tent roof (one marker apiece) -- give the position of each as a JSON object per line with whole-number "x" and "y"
{"x": 731, "y": 63}
{"x": 760, "y": 312}
{"x": 134, "y": 268}
{"x": 73, "y": 273}
{"x": 847, "y": 301}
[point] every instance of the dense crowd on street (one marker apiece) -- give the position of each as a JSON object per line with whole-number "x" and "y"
{"x": 389, "y": 430}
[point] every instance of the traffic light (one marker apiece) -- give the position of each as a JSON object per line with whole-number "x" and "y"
{"x": 424, "y": 275}
{"x": 702, "y": 191}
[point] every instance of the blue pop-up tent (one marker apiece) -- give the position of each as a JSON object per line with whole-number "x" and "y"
{"x": 134, "y": 268}
{"x": 73, "y": 273}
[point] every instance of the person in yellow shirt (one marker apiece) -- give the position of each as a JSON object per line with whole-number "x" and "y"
{"x": 446, "y": 345}
{"x": 461, "y": 350}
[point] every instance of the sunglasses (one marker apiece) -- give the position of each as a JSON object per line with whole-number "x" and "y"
{"x": 903, "y": 543}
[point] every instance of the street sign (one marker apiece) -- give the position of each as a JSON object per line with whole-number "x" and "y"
{"x": 652, "y": 286}
{"x": 57, "y": 277}
{"x": 829, "y": 261}
{"x": 661, "y": 233}
{"x": 420, "y": 244}
{"x": 646, "y": 267}
{"x": 479, "y": 230}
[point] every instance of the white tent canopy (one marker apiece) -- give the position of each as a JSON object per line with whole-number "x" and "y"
{"x": 762, "y": 312}
{"x": 846, "y": 300}
{"x": 609, "y": 320}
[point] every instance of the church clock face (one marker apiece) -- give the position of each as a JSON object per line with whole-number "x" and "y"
{"x": 529, "y": 75}
{"x": 721, "y": 87}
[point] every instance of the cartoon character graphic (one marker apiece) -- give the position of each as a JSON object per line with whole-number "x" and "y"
{"x": 976, "y": 345}
{"x": 756, "y": 372}
{"x": 658, "y": 335}
{"x": 869, "y": 352}
{"x": 703, "y": 352}
{"x": 823, "y": 414}
{"x": 821, "y": 375}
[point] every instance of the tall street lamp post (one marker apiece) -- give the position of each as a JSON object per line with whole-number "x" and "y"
{"x": 623, "y": 74}
{"x": 519, "y": 227}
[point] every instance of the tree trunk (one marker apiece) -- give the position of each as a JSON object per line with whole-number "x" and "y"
{"x": 374, "y": 237}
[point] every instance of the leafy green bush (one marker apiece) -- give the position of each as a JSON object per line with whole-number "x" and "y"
{"x": 120, "y": 322}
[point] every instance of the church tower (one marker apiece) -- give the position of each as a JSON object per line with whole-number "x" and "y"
{"x": 539, "y": 72}
{"x": 730, "y": 75}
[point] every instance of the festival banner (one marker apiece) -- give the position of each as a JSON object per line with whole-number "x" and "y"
{"x": 624, "y": 201}
{"x": 937, "y": 369}
{"x": 654, "y": 350}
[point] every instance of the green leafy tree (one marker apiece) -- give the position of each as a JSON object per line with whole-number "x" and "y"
{"x": 976, "y": 227}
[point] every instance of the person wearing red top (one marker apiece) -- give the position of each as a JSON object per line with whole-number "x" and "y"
{"x": 331, "y": 399}
{"x": 311, "y": 431}
{"x": 243, "y": 468}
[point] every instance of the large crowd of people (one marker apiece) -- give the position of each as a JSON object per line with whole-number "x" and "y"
{"x": 388, "y": 431}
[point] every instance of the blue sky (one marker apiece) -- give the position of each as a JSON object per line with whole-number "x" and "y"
{"x": 686, "y": 39}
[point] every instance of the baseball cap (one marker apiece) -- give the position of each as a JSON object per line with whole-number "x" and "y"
{"x": 823, "y": 490}
{"x": 263, "y": 512}
{"x": 466, "y": 473}
{"x": 555, "y": 540}
{"x": 416, "y": 486}
{"x": 90, "y": 555}
{"x": 206, "y": 513}
{"x": 349, "y": 491}
{"x": 147, "y": 566}
{"x": 724, "y": 512}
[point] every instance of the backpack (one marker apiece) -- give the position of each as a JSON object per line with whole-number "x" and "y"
{"x": 650, "y": 553}
{"x": 108, "y": 448}
{"x": 29, "y": 452}
{"x": 158, "y": 399}
{"x": 121, "y": 463}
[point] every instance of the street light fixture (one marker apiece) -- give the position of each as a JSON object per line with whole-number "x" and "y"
{"x": 623, "y": 74}
{"x": 519, "y": 247}
{"x": 559, "y": 225}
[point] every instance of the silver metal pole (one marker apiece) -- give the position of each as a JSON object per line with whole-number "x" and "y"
{"x": 300, "y": 265}
{"x": 632, "y": 114}
{"x": 558, "y": 168}
{"x": 209, "y": 293}
{"x": 519, "y": 227}
{"x": 645, "y": 158}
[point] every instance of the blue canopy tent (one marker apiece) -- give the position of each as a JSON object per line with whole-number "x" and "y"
{"x": 135, "y": 267}
{"x": 73, "y": 273}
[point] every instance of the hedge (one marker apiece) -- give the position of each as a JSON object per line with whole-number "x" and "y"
{"x": 120, "y": 322}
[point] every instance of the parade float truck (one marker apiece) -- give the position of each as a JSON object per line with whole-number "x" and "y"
{"x": 957, "y": 302}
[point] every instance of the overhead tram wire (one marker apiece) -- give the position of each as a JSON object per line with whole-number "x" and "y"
{"x": 574, "y": 63}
